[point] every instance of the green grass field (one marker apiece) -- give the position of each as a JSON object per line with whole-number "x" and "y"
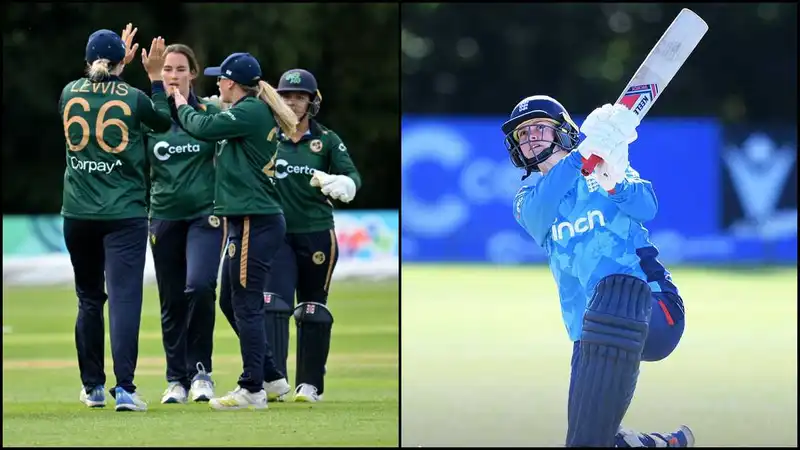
{"x": 486, "y": 359}
{"x": 41, "y": 380}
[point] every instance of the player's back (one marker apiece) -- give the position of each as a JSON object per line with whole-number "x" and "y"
{"x": 105, "y": 155}
{"x": 245, "y": 165}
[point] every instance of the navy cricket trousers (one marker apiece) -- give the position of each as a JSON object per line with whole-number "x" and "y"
{"x": 304, "y": 264}
{"x": 107, "y": 254}
{"x": 186, "y": 254}
{"x": 251, "y": 246}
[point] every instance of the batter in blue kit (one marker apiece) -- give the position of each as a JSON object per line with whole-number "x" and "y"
{"x": 619, "y": 303}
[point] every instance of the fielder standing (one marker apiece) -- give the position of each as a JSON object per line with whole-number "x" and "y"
{"x": 104, "y": 208}
{"x": 314, "y": 167}
{"x": 186, "y": 238}
{"x": 246, "y": 196}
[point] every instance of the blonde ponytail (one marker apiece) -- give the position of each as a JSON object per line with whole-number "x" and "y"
{"x": 286, "y": 118}
{"x": 99, "y": 69}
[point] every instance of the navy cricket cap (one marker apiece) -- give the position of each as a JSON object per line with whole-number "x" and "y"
{"x": 105, "y": 44}
{"x": 242, "y": 68}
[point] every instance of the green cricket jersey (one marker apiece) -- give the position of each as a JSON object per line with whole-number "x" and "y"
{"x": 181, "y": 171}
{"x": 245, "y": 155}
{"x": 305, "y": 207}
{"x": 105, "y": 174}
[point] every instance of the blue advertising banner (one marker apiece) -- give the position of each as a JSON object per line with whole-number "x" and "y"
{"x": 458, "y": 186}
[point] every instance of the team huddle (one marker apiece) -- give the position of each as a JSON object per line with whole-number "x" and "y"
{"x": 243, "y": 180}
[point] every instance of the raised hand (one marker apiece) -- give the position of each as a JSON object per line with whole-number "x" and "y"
{"x": 153, "y": 61}
{"x": 127, "y": 38}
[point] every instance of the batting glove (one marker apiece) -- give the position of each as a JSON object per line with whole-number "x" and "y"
{"x": 617, "y": 159}
{"x": 612, "y": 125}
{"x": 595, "y": 145}
{"x": 608, "y": 177}
{"x": 625, "y": 121}
{"x": 611, "y": 171}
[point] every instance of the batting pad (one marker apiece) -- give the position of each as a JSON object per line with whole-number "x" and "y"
{"x": 615, "y": 328}
{"x": 276, "y": 325}
{"x": 314, "y": 323}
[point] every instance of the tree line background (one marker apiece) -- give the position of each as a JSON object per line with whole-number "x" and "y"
{"x": 353, "y": 51}
{"x": 481, "y": 59}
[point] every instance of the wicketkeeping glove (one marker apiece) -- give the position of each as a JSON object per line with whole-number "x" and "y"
{"x": 337, "y": 187}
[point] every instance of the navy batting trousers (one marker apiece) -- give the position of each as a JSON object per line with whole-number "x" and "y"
{"x": 666, "y": 327}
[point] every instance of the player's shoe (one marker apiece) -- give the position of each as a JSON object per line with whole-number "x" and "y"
{"x": 682, "y": 437}
{"x": 240, "y": 398}
{"x": 277, "y": 390}
{"x": 96, "y": 398}
{"x": 306, "y": 393}
{"x": 202, "y": 386}
{"x": 127, "y": 401}
{"x": 175, "y": 393}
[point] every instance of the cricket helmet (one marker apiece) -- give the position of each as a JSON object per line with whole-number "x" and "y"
{"x": 301, "y": 80}
{"x": 539, "y": 107}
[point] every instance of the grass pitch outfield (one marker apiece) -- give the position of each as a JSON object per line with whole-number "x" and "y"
{"x": 41, "y": 381}
{"x": 486, "y": 359}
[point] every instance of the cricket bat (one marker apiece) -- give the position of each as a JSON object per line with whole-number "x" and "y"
{"x": 658, "y": 69}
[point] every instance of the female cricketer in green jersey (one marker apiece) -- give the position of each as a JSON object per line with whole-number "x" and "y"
{"x": 185, "y": 238}
{"x": 104, "y": 208}
{"x": 246, "y": 196}
{"x": 306, "y": 260}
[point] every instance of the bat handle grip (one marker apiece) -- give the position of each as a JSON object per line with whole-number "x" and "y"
{"x": 590, "y": 164}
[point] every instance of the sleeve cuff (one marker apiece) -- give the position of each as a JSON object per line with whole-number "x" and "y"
{"x": 620, "y": 190}
{"x": 157, "y": 87}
